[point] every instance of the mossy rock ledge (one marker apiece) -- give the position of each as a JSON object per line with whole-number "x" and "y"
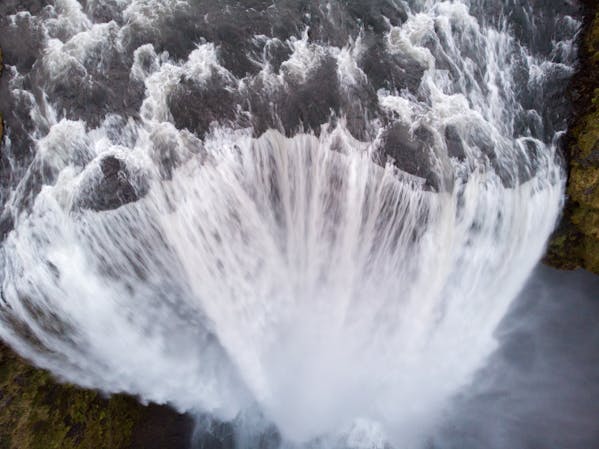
{"x": 37, "y": 412}
{"x": 575, "y": 244}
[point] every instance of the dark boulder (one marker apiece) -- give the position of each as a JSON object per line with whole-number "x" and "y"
{"x": 411, "y": 152}
{"x": 112, "y": 189}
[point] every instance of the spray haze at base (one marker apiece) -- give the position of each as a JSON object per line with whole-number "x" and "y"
{"x": 316, "y": 211}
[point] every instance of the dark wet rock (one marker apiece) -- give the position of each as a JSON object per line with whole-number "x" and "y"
{"x": 194, "y": 106}
{"x": 393, "y": 72}
{"x": 262, "y": 110}
{"x": 455, "y": 145}
{"x": 112, "y": 189}
{"x": 168, "y": 152}
{"x": 311, "y": 102}
{"x": 22, "y": 41}
{"x": 234, "y": 54}
{"x": 374, "y": 15}
{"x": 277, "y": 52}
{"x": 160, "y": 428}
{"x": 104, "y": 11}
{"x": 6, "y": 224}
{"x": 410, "y": 153}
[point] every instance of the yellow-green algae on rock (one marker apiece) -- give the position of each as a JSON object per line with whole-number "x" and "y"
{"x": 37, "y": 412}
{"x": 576, "y": 241}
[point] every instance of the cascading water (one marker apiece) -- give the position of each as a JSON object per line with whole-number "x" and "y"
{"x": 315, "y": 212}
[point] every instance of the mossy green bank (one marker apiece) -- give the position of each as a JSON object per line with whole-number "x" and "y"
{"x": 576, "y": 241}
{"x": 37, "y": 412}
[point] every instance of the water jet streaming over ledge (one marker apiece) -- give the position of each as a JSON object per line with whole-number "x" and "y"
{"x": 312, "y": 216}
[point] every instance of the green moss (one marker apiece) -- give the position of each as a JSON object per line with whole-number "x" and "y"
{"x": 38, "y": 413}
{"x": 576, "y": 242}
{"x": 591, "y": 253}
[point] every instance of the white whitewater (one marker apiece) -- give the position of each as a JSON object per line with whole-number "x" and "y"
{"x": 304, "y": 277}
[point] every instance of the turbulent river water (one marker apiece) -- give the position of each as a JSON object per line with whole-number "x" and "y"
{"x": 305, "y": 217}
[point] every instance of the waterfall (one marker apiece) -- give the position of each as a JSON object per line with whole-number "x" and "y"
{"x": 313, "y": 213}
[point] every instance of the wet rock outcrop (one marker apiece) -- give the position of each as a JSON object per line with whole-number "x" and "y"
{"x": 112, "y": 188}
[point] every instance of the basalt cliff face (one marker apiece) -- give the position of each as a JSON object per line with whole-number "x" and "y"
{"x": 575, "y": 243}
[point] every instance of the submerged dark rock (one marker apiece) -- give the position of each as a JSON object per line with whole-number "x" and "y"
{"x": 410, "y": 152}
{"x": 112, "y": 189}
{"x": 195, "y": 106}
